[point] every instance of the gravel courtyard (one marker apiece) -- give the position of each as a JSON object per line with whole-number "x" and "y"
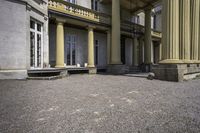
{"x": 99, "y": 104}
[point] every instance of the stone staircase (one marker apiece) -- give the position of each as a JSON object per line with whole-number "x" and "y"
{"x": 134, "y": 69}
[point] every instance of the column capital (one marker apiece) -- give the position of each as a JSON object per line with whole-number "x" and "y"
{"x": 60, "y": 21}
{"x": 148, "y": 8}
{"x": 90, "y": 27}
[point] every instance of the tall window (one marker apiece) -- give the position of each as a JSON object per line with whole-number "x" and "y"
{"x": 96, "y": 52}
{"x": 154, "y": 22}
{"x": 35, "y": 44}
{"x": 137, "y": 19}
{"x": 71, "y": 1}
{"x": 70, "y": 50}
{"x": 95, "y": 5}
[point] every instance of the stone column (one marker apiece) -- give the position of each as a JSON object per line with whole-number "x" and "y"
{"x": 185, "y": 30}
{"x": 148, "y": 37}
{"x": 160, "y": 51}
{"x": 90, "y": 47}
{"x": 116, "y": 41}
{"x": 135, "y": 52}
{"x": 108, "y": 46}
{"x": 195, "y": 28}
{"x": 141, "y": 50}
{"x": 60, "y": 45}
{"x": 170, "y": 31}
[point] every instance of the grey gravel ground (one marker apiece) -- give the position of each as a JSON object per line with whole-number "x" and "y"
{"x": 99, "y": 104}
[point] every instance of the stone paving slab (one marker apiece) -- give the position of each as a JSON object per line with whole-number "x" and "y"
{"x": 99, "y": 104}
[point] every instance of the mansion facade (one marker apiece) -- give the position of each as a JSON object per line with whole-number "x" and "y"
{"x": 54, "y": 37}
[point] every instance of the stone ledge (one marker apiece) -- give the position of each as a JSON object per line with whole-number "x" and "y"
{"x": 13, "y": 74}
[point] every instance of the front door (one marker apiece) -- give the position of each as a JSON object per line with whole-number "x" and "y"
{"x": 35, "y": 44}
{"x": 123, "y": 60}
{"x": 70, "y": 50}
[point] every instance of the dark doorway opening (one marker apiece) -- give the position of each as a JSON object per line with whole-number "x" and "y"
{"x": 123, "y": 42}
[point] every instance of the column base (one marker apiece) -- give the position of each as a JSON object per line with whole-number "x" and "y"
{"x": 92, "y": 70}
{"x": 59, "y": 66}
{"x": 117, "y": 69}
{"x": 176, "y": 72}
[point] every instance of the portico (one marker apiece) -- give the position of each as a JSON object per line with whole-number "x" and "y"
{"x": 180, "y": 41}
{"x": 179, "y": 47}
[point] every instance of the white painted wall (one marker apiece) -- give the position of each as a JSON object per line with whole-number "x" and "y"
{"x": 15, "y": 35}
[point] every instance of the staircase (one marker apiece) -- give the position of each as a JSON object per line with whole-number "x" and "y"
{"x": 134, "y": 69}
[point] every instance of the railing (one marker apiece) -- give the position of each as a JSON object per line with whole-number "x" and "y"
{"x": 136, "y": 28}
{"x": 88, "y": 14}
{"x": 78, "y": 11}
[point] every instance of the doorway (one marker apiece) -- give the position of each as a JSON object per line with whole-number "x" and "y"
{"x": 123, "y": 56}
{"x": 70, "y": 50}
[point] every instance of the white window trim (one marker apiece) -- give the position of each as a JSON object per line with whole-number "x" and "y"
{"x": 42, "y": 46}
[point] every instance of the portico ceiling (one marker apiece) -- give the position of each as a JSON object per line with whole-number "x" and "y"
{"x": 134, "y": 5}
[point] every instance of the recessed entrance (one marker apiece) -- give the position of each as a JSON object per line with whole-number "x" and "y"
{"x": 70, "y": 50}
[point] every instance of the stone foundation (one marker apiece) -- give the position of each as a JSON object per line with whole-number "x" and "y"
{"x": 92, "y": 70}
{"x": 176, "y": 72}
{"x": 117, "y": 69}
{"x": 13, "y": 74}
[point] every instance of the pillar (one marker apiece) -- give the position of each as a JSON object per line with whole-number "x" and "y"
{"x": 195, "y": 28}
{"x": 185, "y": 27}
{"x": 60, "y": 45}
{"x": 116, "y": 41}
{"x": 90, "y": 47}
{"x": 170, "y": 31}
{"x": 108, "y": 46}
{"x": 148, "y": 37}
{"x": 135, "y": 52}
{"x": 160, "y": 51}
{"x": 141, "y": 51}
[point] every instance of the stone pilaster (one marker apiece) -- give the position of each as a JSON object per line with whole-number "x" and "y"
{"x": 195, "y": 29}
{"x": 170, "y": 31}
{"x": 135, "y": 52}
{"x": 148, "y": 37}
{"x": 116, "y": 41}
{"x": 108, "y": 46}
{"x": 141, "y": 50}
{"x": 185, "y": 26}
{"x": 90, "y": 47}
{"x": 160, "y": 51}
{"x": 60, "y": 45}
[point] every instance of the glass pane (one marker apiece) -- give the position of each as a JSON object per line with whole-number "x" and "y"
{"x": 73, "y": 54}
{"x": 38, "y": 50}
{"x": 96, "y": 54}
{"x": 39, "y": 27}
{"x": 68, "y": 53}
{"x": 32, "y": 46}
{"x": 32, "y": 24}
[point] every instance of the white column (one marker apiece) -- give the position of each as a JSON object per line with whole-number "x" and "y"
{"x": 148, "y": 37}
{"x": 170, "y": 31}
{"x": 108, "y": 46}
{"x": 116, "y": 41}
{"x": 135, "y": 52}
{"x": 195, "y": 29}
{"x": 185, "y": 26}
{"x": 90, "y": 47}
{"x": 60, "y": 45}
